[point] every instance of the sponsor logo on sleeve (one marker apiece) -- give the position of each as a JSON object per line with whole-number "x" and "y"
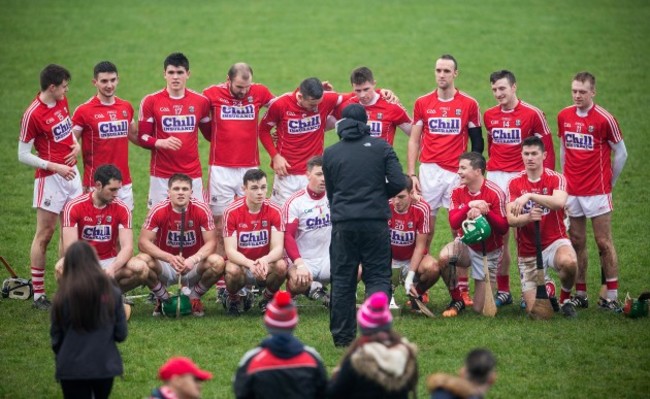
{"x": 444, "y": 126}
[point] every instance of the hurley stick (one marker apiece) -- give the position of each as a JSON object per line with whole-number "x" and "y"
{"x": 542, "y": 309}
{"x": 489, "y": 307}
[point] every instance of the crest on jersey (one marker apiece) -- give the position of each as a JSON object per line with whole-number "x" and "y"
{"x": 109, "y": 219}
{"x": 190, "y": 224}
{"x": 178, "y": 109}
{"x": 124, "y": 113}
{"x": 590, "y": 129}
{"x": 410, "y": 225}
{"x": 380, "y": 116}
{"x": 191, "y": 108}
{"x": 112, "y": 115}
{"x": 457, "y": 112}
{"x": 544, "y": 191}
{"x": 517, "y": 122}
{"x": 250, "y": 99}
{"x": 265, "y": 223}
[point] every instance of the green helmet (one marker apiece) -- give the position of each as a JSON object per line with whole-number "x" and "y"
{"x": 475, "y": 230}
{"x": 169, "y": 306}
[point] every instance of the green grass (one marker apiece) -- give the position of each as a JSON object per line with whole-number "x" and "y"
{"x": 544, "y": 42}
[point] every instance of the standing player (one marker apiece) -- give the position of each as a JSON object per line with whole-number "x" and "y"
{"x": 253, "y": 235}
{"x": 507, "y": 124}
{"x": 306, "y": 216}
{"x": 473, "y": 197}
{"x": 409, "y": 228}
{"x": 46, "y": 126}
{"x": 538, "y": 194}
{"x": 383, "y": 117}
{"x": 168, "y": 125}
{"x": 299, "y": 120}
{"x": 235, "y": 106}
{"x": 105, "y": 124}
{"x": 588, "y": 134}
{"x": 103, "y": 220}
{"x": 443, "y": 121}
{"x": 160, "y": 245}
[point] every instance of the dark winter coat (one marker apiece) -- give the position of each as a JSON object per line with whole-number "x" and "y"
{"x": 361, "y": 174}
{"x": 283, "y": 368}
{"x": 376, "y": 371}
{"x": 89, "y": 355}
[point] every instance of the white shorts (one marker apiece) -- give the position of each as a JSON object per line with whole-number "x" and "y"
{"x": 476, "y": 261}
{"x": 284, "y": 187}
{"x": 501, "y": 179}
{"x": 528, "y": 265}
{"x": 52, "y": 192}
{"x": 403, "y": 266}
{"x": 105, "y": 263}
{"x": 591, "y": 206}
{"x": 158, "y": 190}
{"x": 225, "y": 184}
{"x": 169, "y": 275}
{"x": 125, "y": 194}
{"x": 436, "y": 184}
{"x": 319, "y": 268}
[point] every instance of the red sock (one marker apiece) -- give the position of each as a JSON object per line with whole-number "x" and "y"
{"x": 612, "y": 288}
{"x": 463, "y": 284}
{"x": 455, "y": 294}
{"x": 503, "y": 283}
{"x": 581, "y": 289}
{"x": 564, "y": 295}
{"x": 38, "y": 281}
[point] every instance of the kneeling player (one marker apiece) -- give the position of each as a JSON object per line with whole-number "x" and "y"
{"x": 409, "y": 230}
{"x": 104, "y": 221}
{"x": 253, "y": 235}
{"x": 306, "y": 215}
{"x": 538, "y": 195}
{"x": 179, "y": 236}
{"x": 475, "y": 196}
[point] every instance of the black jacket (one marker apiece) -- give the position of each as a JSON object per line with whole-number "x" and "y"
{"x": 89, "y": 355}
{"x": 361, "y": 174}
{"x": 281, "y": 367}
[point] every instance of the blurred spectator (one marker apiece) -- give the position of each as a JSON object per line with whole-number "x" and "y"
{"x": 182, "y": 379}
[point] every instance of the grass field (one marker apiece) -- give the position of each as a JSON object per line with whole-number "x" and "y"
{"x": 545, "y": 43}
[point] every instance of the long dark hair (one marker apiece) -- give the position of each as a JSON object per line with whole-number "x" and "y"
{"x": 85, "y": 297}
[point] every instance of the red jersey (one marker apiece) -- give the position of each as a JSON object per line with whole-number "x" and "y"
{"x": 162, "y": 116}
{"x": 98, "y": 226}
{"x": 507, "y": 129}
{"x": 104, "y": 136}
{"x": 166, "y": 222}
{"x": 383, "y": 117}
{"x": 300, "y": 133}
{"x": 445, "y": 127}
{"x": 404, "y": 228}
{"x": 496, "y": 216}
{"x": 552, "y": 224}
{"x": 587, "y": 154}
{"x": 253, "y": 230}
{"x": 51, "y": 130}
{"x": 234, "y": 125}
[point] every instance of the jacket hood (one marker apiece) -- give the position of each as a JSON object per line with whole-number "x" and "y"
{"x": 284, "y": 346}
{"x": 393, "y": 368}
{"x": 350, "y": 129}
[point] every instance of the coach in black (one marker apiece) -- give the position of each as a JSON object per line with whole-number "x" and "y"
{"x": 361, "y": 174}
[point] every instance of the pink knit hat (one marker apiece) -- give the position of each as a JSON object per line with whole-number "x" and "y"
{"x": 374, "y": 316}
{"x": 281, "y": 315}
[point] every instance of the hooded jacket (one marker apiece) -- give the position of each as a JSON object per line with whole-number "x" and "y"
{"x": 361, "y": 174}
{"x": 376, "y": 371}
